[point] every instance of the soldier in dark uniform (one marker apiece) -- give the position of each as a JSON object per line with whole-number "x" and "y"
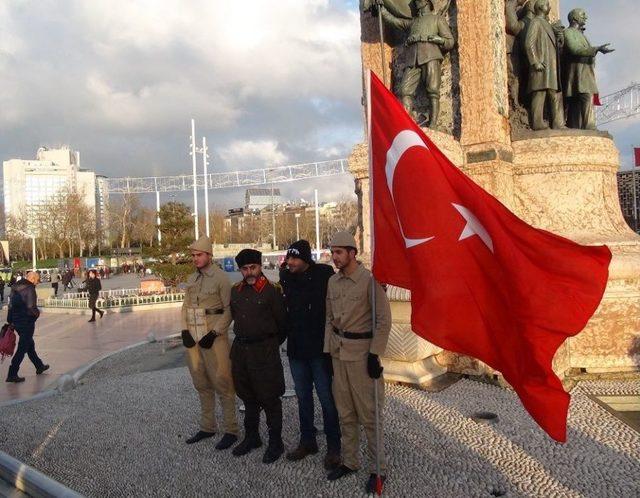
{"x": 258, "y": 311}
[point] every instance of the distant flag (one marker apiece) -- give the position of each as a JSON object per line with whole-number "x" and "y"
{"x": 596, "y": 99}
{"x": 636, "y": 156}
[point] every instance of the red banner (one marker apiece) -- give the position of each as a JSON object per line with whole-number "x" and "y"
{"x": 636, "y": 156}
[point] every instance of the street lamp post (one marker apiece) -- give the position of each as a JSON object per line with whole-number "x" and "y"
{"x": 297, "y": 226}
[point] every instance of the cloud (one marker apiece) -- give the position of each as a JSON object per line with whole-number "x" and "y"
{"x": 240, "y": 155}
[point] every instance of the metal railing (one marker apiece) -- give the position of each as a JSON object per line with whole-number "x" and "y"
{"x": 103, "y": 293}
{"x": 113, "y": 301}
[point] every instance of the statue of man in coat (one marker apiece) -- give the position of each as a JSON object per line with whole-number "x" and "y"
{"x": 541, "y": 47}
{"x": 579, "y": 79}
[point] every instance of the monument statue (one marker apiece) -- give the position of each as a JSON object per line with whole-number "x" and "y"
{"x": 518, "y": 15}
{"x": 579, "y": 80}
{"x": 542, "y": 46}
{"x": 429, "y": 37}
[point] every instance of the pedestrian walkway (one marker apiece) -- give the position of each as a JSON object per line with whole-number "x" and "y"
{"x": 67, "y": 342}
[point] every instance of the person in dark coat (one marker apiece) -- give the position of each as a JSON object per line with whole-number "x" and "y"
{"x": 259, "y": 318}
{"x": 2, "y": 284}
{"x": 93, "y": 287}
{"x": 23, "y": 313}
{"x": 305, "y": 293}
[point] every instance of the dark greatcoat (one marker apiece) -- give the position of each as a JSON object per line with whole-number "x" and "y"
{"x": 259, "y": 315}
{"x": 579, "y": 62}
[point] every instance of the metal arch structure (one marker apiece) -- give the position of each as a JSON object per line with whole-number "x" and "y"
{"x": 249, "y": 178}
{"x": 622, "y": 104}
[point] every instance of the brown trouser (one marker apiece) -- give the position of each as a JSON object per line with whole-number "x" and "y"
{"x": 211, "y": 374}
{"x": 353, "y": 391}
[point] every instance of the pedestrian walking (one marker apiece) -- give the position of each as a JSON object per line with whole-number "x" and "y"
{"x": 355, "y": 343}
{"x": 257, "y": 309}
{"x": 23, "y": 313}
{"x": 305, "y": 293}
{"x": 206, "y": 316}
{"x": 55, "y": 282}
{"x": 2, "y": 284}
{"x": 93, "y": 286}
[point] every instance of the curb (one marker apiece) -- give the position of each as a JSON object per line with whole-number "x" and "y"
{"x": 30, "y": 481}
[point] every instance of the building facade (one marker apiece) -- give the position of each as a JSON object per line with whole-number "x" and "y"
{"x": 629, "y": 196}
{"x": 30, "y": 185}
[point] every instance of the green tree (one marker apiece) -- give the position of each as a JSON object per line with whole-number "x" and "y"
{"x": 176, "y": 227}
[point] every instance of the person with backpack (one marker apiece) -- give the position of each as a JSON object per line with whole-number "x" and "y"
{"x": 23, "y": 313}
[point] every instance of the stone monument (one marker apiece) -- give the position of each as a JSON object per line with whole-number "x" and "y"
{"x": 560, "y": 180}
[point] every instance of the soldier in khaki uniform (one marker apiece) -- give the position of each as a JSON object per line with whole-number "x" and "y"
{"x": 355, "y": 349}
{"x": 206, "y": 317}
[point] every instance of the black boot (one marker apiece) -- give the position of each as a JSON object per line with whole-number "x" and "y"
{"x": 250, "y": 442}
{"x": 227, "y": 441}
{"x": 42, "y": 369}
{"x": 15, "y": 378}
{"x": 199, "y": 436}
{"x": 274, "y": 450}
{"x": 339, "y": 472}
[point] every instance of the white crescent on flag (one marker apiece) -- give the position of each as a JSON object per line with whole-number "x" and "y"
{"x": 403, "y": 142}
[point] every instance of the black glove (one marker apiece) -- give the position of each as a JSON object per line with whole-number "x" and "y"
{"x": 187, "y": 340}
{"x": 207, "y": 341}
{"x": 374, "y": 369}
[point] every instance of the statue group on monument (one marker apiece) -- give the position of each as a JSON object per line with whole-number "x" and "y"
{"x": 554, "y": 65}
{"x": 551, "y": 68}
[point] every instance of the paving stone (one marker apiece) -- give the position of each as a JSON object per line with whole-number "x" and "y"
{"x": 121, "y": 432}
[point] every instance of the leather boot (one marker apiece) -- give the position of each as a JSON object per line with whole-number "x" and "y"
{"x": 275, "y": 449}
{"x": 199, "y": 436}
{"x": 302, "y": 451}
{"x": 250, "y": 442}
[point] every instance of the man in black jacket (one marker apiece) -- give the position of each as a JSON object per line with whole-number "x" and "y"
{"x": 305, "y": 289}
{"x": 23, "y": 313}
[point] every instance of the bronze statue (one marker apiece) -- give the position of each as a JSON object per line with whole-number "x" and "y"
{"x": 429, "y": 37}
{"x": 541, "y": 46}
{"x": 579, "y": 79}
{"x": 518, "y": 15}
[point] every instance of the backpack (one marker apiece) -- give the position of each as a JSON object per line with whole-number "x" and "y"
{"x": 7, "y": 341}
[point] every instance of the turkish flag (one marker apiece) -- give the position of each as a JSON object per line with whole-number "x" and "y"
{"x": 636, "y": 156}
{"x": 483, "y": 282}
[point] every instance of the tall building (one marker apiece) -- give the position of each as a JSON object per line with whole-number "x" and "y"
{"x": 29, "y": 185}
{"x": 628, "y": 195}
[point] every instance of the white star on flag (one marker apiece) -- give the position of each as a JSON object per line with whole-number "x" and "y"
{"x": 473, "y": 227}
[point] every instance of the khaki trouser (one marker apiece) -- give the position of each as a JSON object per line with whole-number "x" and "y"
{"x": 353, "y": 391}
{"x": 211, "y": 374}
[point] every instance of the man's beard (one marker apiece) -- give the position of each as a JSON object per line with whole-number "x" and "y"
{"x": 250, "y": 280}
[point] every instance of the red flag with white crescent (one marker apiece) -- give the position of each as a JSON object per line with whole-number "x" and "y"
{"x": 483, "y": 282}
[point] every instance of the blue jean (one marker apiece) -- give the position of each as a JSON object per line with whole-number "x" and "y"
{"x": 307, "y": 374}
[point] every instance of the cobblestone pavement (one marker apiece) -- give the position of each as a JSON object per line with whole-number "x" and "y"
{"x": 122, "y": 433}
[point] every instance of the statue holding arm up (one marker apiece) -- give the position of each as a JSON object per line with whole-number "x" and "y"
{"x": 579, "y": 80}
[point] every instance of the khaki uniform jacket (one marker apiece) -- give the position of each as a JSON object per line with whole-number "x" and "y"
{"x": 349, "y": 310}
{"x": 541, "y": 46}
{"x": 579, "y": 61}
{"x": 419, "y": 53}
{"x": 206, "y": 303}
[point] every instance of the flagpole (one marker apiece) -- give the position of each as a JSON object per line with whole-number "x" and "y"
{"x": 376, "y": 393}
{"x": 635, "y": 195}
{"x": 382, "y": 56}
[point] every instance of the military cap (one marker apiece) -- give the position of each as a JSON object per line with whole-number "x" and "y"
{"x": 343, "y": 239}
{"x": 203, "y": 244}
{"x": 248, "y": 257}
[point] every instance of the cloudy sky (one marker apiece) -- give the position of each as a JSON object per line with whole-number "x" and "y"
{"x": 267, "y": 82}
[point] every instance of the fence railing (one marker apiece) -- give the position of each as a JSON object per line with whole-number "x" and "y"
{"x": 103, "y": 293}
{"x": 113, "y": 301}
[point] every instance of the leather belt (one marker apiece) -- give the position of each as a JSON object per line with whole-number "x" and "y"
{"x": 254, "y": 340}
{"x": 352, "y": 335}
{"x": 213, "y": 312}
